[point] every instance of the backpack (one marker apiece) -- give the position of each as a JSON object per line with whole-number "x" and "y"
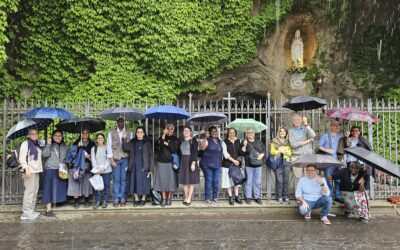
{"x": 12, "y": 160}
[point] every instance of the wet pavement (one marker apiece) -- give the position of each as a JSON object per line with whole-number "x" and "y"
{"x": 196, "y": 229}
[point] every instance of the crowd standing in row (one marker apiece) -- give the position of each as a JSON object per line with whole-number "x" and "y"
{"x": 128, "y": 160}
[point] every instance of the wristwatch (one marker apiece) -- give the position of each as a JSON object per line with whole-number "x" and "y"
{"x": 323, "y": 184}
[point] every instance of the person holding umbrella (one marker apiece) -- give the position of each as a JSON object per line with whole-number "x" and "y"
{"x": 211, "y": 161}
{"x": 30, "y": 158}
{"x": 254, "y": 152}
{"x": 78, "y": 180}
{"x": 54, "y": 188}
{"x": 165, "y": 177}
{"x": 355, "y": 140}
{"x": 119, "y": 160}
{"x": 140, "y": 165}
{"x": 312, "y": 193}
{"x": 301, "y": 137}
{"x": 352, "y": 188}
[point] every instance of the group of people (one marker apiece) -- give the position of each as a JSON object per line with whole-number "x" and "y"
{"x": 129, "y": 161}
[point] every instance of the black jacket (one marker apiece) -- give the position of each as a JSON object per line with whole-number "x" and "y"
{"x": 148, "y": 156}
{"x": 344, "y": 176}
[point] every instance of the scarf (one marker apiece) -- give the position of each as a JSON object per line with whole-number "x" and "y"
{"x": 278, "y": 143}
{"x": 32, "y": 148}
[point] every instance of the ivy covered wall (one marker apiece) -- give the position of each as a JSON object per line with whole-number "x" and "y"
{"x": 124, "y": 50}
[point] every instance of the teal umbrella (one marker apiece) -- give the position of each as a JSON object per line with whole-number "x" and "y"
{"x": 242, "y": 125}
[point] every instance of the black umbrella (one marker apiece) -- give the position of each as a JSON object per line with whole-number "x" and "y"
{"x": 319, "y": 160}
{"x": 375, "y": 160}
{"x": 300, "y": 103}
{"x": 79, "y": 124}
{"x": 207, "y": 118}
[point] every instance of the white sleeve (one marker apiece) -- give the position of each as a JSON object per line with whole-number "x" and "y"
{"x": 109, "y": 146}
{"x": 225, "y": 150}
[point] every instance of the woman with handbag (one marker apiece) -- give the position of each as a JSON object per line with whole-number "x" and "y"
{"x": 188, "y": 169}
{"x": 254, "y": 152}
{"x": 140, "y": 165}
{"x": 231, "y": 152}
{"x": 101, "y": 165}
{"x": 210, "y": 162}
{"x": 279, "y": 162}
{"x": 54, "y": 188}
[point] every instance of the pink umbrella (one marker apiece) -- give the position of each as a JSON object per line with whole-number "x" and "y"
{"x": 351, "y": 114}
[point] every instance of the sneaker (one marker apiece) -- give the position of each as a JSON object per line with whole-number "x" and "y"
{"x": 286, "y": 200}
{"x": 364, "y": 221}
{"x": 307, "y": 216}
{"x": 96, "y": 205}
{"x": 215, "y": 202}
{"x": 115, "y": 204}
{"x": 26, "y": 216}
{"x": 331, "y": 215}
{"x": 123, "y": 203}
{"x": 238, "y": 200}
{"x": 163, "y": 203}
{"x": 325, "y": 220}
{"x": 280, "y": 200}
{"x": 36, "y": 214}
{"x": 49, "y": 214}
{"x": 104, "y": 204}
{"x": 258, "y": 201}
{"x": 207, "y": 202}
{"x": 248, "y": 201}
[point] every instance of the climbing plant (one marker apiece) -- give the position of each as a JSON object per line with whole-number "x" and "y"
{"x": 124, "y": 50}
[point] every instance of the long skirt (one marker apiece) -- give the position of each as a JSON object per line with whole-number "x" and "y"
{"x": 79, "y": 188}
{"x": 356, "y": 203}
{"x": 226, "y": 180}
{"x": 137, "y": 181}
{"x": 54, "y": 188}
{"x": 186, "y": 176}
{"x": 165, "y": 178}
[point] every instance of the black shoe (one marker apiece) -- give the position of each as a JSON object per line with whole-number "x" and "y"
{"x": 142, "y": 203}
{"x": 96, "y": 205}
{"x": 115, "y": 204}
{"x": 248, "y": 201}
{"x": 231, "y": 201}
{"x": 169, "y": 202}
{"x": 258, "y": 201}
{"x": 86, "y": 203}
{"x": 50, "y": 214}
{"x": 76, "y": 203}
{"x": 104, "y": 204}
{"x": 163, "y": 203}
{"x": 136, "y": 203}
{"x": 187, "y": 204}
{"x": 238, "y": 200}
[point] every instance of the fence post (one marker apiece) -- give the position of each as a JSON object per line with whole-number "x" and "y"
{"x": 3, "y": 171}
{"x": 371, "y": 178}
{"x": 190, "y": 103}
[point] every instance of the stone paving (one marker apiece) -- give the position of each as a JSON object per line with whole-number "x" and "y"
{"x": 195, "y": 228}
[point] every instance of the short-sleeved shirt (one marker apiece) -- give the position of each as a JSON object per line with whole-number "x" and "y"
{"x": 330, "y": 141}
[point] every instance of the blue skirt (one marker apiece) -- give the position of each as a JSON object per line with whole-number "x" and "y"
{"x": 54, "y": 189}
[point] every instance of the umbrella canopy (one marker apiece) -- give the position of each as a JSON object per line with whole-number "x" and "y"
{"x": 48, "y": 113}
{"x": 22, "y": 127}
{"x": 375, "y": 160}
{"x": 242, "y": 125}
{"x": 319, "y": 160}
{"x": 79, "y": 124}
{"x": 207, "y": 118}
{"x": 351, "y": 114}
{"x": 300, "y": 103}
{"x": 166, "y": 112}
{"x": 128, "y": 113}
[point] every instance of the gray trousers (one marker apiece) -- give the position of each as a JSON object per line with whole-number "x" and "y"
{"x": 282, "y": 178}
{"x": 31, "y": 186}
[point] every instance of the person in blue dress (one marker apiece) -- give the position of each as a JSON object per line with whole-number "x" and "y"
{"x": 140, "y": 165}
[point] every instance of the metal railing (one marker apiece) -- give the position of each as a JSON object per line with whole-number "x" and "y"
{"x": 382, "y": 135}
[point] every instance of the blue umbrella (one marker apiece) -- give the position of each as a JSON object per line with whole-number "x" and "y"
{"x": 166, "y": 112}
{"x": 48, "y": 113}
{"x": 22, "y": 127}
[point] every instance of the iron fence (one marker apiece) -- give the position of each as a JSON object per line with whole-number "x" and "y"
{"x": 382, "y": 135}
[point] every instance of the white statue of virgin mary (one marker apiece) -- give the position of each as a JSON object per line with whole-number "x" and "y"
{"x": 297, "y": 50}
